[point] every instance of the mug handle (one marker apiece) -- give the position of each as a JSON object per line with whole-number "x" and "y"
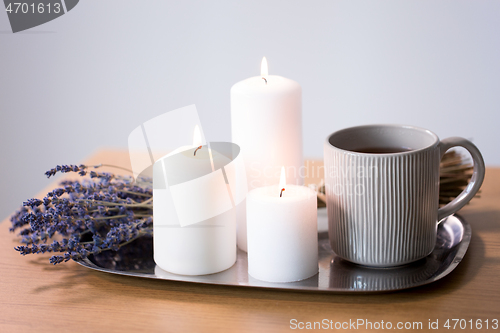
{"x": 475, "y": 182}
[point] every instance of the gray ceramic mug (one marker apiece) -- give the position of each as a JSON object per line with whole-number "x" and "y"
{"x": 382, "y": 190}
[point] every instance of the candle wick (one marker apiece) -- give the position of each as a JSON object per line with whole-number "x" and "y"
{"x": 263, "y": 78}
{"x": 196, "y": 150}
{"x": 281, "y": 193}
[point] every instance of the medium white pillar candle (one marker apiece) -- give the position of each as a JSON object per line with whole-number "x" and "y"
{"x": 266, "y": 122}
{"x": 194, "y": 218}
{"x": 282, "y": 233}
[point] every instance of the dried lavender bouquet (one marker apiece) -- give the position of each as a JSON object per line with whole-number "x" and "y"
{"x": 90, "y": 216}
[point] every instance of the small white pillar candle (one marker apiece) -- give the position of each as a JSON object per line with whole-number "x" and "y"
{"x": 266, "y": 122}
{"x": 282, "y": 233}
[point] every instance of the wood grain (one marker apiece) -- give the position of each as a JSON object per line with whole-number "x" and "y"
{"x": 38, "y": 296}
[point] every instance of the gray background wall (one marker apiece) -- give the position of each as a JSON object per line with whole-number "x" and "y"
{"x": 86, "y": 79}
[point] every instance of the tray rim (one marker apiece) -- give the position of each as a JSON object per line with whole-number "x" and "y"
{"x": 461, "y": 250}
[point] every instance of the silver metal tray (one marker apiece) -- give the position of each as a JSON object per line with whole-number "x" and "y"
{"x": 335, "y": 275}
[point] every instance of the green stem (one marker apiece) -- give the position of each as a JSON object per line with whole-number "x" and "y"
{"x": 123, "y": 244}
{"x": 109, "y": 217}
{"x": 135, "y": 193}
{"x": 111, "y": 204}
{"x": 147, "y": 201}
{"x": 109, "y": 165}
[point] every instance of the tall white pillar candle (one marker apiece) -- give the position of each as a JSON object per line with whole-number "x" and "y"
{"x": 266, "y": 122}
{"x": 282, "y": 233}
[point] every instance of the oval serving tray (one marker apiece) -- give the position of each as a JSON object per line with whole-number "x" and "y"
{"x": 335, "y": 275}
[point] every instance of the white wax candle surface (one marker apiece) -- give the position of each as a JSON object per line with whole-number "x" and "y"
{"x": 266, "y": 122}
{"x": 282, "y": 233}
{"x": 267, "y": 125}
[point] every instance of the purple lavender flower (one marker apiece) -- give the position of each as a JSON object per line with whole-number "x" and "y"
{"x": 67, "y": 168}
{"x": 85, "y": 217}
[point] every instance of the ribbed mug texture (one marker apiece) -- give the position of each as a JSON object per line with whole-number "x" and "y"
{"x": 382, "y": 208}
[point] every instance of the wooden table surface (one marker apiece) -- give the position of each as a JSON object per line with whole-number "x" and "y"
{"x": 38, "y": 296}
